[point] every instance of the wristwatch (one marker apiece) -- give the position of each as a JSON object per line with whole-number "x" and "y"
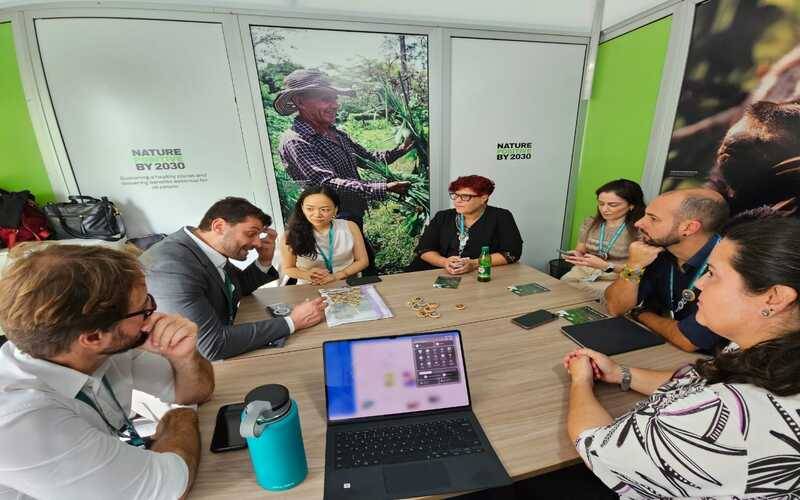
{"x": 625, "y": 383}
{"x": 635, "y": 312}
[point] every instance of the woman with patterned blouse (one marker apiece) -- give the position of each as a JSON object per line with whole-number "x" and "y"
{"x": 725, "y": 427}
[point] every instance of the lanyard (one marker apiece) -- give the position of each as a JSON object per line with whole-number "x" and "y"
{"x": 328, "y": 258}
{"x": 133, "y": 438}
{"x": 687, "y": 295}
{"x": 605, "y": 250}
{"x": 463, "y": 233}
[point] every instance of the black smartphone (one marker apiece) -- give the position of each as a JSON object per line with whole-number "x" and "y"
{"x": 534, "y": 319}
{"x": 226, "y": 431}
{"x": 362, "y": 280}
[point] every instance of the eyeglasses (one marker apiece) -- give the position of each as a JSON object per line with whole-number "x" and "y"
{"x": 146, "y": 312}
{"x": 463, "y": 197}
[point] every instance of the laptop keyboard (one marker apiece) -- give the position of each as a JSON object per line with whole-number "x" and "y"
{"x": 406, "y": 443}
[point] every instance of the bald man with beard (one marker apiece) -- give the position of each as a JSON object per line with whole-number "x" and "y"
{"x": 656, "y": 286}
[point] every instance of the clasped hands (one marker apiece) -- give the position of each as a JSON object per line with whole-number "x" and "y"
{"x": 585, "y": 366}
{"x": 321, "y": 276}
{"x": 459, "y": 265}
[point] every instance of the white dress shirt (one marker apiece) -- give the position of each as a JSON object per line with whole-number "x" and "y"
{"x": 220, "y": 260}
{"x": 56, "y": 446}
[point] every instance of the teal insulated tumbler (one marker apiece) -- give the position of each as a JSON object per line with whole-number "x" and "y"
{"x": 271, "y": 426}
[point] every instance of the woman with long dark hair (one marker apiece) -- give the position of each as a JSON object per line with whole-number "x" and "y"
{"x": 317, "y": 247}
{"x": 727, "y": 426}
{"x": 604, "y": 238}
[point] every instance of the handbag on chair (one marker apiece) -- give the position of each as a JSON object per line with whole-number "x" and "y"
{"x": 86, "y": 217}
{"x": 21, "y": 219}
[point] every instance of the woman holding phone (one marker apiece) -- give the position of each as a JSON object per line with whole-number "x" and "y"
{"x": 604, "y": 238}
{"x": 453, "y": 239}
{"x": 317, "y": 247}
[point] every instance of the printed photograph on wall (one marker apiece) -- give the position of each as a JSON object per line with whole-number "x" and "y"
{"x": 350, "y": 110}
{"x": 737, "y": 127}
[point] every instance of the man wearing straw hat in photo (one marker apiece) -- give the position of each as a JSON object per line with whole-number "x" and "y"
{"x": 314, "y": 152}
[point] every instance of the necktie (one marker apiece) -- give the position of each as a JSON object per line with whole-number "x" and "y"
{"x": 230, "y": 292}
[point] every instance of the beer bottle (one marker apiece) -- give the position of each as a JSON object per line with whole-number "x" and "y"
{"x": 485, "y": 265}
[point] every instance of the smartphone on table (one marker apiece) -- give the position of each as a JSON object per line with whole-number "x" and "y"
{"x": 534, "y": 319}
{"x": 362, "y": 280}
{"x": 226, "y": 431}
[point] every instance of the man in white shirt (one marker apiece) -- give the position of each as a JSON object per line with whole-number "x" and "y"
{"x": 189, "y": 274}
{"x": 74, "y": 316}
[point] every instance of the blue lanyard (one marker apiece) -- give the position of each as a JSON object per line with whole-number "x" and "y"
{"x": 688, "y": 294}
{"x": 605, "y": 250}
{"x": 133, "y": 438}
{"x": 328, "y": 258}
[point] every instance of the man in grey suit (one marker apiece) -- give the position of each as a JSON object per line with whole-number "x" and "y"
{"x": 188, "y": 273}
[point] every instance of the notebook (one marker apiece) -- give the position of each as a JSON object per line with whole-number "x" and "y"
{"x": 612, "y": 336}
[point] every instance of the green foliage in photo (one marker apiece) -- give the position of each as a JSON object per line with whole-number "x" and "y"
{"x": 390, "y": 103}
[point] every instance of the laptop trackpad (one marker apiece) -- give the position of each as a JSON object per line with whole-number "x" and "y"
{"x": 415, "y": 479}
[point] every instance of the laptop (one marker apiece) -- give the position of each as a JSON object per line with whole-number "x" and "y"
{"x": 400, "y": 422}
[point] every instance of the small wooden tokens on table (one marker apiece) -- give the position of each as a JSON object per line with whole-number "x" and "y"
{"x": 345, "y": 296}
{"x": 424, "y": 309}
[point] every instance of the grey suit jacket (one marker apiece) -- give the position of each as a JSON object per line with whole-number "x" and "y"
{"x": 184, "y": 281}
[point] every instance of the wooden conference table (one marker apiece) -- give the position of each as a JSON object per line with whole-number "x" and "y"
{"x": 518, "y": 386}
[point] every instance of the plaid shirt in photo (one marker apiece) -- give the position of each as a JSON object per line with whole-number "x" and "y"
{"x": 313, "y": 159}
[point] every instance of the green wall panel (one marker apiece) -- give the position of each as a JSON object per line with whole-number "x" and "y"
{"x": 21, "y": 165}
{"x": 620, "y": 112}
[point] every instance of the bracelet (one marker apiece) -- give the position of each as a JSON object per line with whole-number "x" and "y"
{"x": 632, "y": 274}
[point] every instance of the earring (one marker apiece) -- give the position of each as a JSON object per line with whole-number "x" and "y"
{"x": 766, "y": 312}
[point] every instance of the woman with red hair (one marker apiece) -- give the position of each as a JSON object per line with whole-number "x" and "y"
{"x": 454, "y": 237}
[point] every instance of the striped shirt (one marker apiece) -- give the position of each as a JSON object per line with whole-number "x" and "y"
{"x": 314, "y": 159}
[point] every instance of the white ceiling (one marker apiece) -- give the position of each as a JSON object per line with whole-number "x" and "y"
{"x": 567, "y": 15}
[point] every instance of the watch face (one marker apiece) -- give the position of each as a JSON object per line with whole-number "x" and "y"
{"x": 280, "y": 309}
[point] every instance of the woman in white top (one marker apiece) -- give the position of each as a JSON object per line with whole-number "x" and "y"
{"x": 317, "y": 248}
{"x": 724, "y": 427}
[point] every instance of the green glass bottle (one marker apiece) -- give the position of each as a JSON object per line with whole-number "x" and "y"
{"x": 485, "y": 265}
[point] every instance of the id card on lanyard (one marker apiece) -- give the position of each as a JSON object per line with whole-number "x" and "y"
{"x": 603, "y": 249}
{"x": 688, "y": 294}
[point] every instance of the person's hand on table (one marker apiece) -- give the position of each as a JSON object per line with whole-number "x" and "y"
{"x": 603, "y": 367}
{"x": 580, "y": 368}
{"x": 320, "y": 276}
{"x": 308, "y": 313}
{"x": 586, "y": 259}
{"x": 459, "y": 265}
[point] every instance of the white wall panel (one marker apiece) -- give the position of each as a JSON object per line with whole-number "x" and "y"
{"x": 518, "y": 91}
{"x": 121, "y": 85}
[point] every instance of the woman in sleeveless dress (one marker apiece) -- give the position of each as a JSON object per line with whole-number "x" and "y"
{"x": 317, "y": 247}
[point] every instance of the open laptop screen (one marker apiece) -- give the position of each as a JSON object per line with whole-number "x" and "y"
{"x": 394, "y": 375}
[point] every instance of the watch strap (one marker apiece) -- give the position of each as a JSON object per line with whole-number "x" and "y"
{"x": 625, "y": 383}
